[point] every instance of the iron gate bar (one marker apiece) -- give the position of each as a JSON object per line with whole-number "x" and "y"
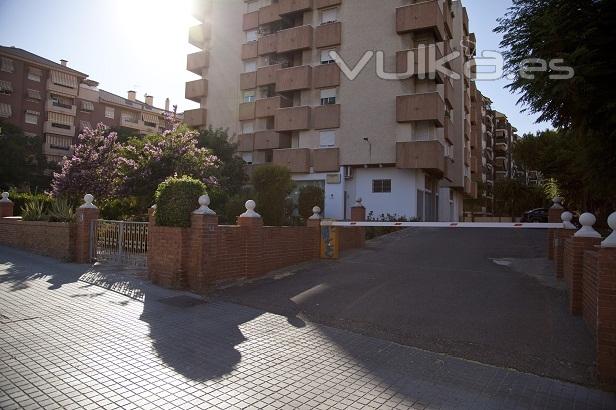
{"x": 119, "y": 242}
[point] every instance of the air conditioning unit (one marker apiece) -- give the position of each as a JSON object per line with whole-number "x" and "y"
{"x": 348, "y": 172}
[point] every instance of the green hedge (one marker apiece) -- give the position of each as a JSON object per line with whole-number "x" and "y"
{"x": 272, "y": 184}
{"x": 20, "y": 199}
{"x": 309, "y": 197}
{"x": 176, "y": 199}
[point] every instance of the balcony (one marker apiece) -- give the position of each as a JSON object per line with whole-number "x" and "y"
{"x": 321, "y": 4}
{"x": 474, "y": 190}
{"x": 426, "y": 155}
{"x": 467, "y": 157}
{"x": 448, "y": 16}
{"x": 475, "y": 168}
{"x": 267, "y": 107}
{"x": 195, "y": 118}
{"x": 297, "y": 160}
{"x": 246, "y": 142}
{"x": 421, "y": 107}
{"x": 448, "y": 128}
{"x": 467, "y": 102}
{"x": 500, "y": 162}
{"x": 294, "y": 39}
{"x": 247, "y": 111}
{"x": 424, "y": 63}
{"x": 326, "y": 76}
{"x": 61, "y": 108}
{"x": 450, "y": 170}
{"x": 271, "y": 140}
{"x": 326, "y": 117}
{"x": 269, "y": 14}
{"x": 294, "y": 6}
{"x": 251, "y": 21}
{"x": 197, "y": 62}
{"x": 200, "y": 34}
{"x": 250, "y": 50}
{"x": 501, "y": 146}
{"x": 268, "y": 44}
{"x": 196, "y": 90}
{"x": 267, "y": 75}
{"x": 326, "y": 160}
{"x": 465, "y": 21}
{"x": 294, "y": 78}
{"x": 293, "y": 119}
{"x": 201, "y": 9}
{"x": 61, "y": 89}
{"x": 467, "y": 129}
{"x": 248, "y": 81}
{"x": 60, "y": 129}
{"x": 449, "y": 93}
{"x": 424, "y": 16}
{"x": 328, "y": 35}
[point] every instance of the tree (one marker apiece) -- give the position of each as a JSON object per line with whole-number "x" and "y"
{"x": 582, "y": 34}
{"x": 145, "y": 162}
{"x": 23, "y": 163}
{"x": 231, "y": 174}
{"x": 309, "y": 197}
{"x": 272, "y": 184}
{"x": 93, "y": 168}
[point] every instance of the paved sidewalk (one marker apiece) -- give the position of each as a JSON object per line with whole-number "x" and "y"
{"x": 70, "y": 343}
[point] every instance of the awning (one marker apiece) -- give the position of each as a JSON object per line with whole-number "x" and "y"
{"x": 5, "y": 110}
{"x": 34, "y": 94}
{"x": 150, "y": 118}
{"x": 58, "y": 118}
{"x": 87, "y": 106}
{"x": 86, "y": 124}
{"x": 6, "y": 87}
{"x": 63, "y": 79}
{"x": 33, "y": 112}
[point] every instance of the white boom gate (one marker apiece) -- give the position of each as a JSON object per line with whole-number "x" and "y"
{"x": 119, "y": 242}
{"x": 330, "y": 238}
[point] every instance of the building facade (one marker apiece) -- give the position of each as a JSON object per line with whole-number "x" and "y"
{"x": 56, "y": 102}
{"x": 398, "y": 134}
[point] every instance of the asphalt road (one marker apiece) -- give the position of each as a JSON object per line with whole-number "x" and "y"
{"x": 484, "y": 295}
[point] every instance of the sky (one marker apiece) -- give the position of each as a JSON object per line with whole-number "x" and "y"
{"x": 142, "y": 45}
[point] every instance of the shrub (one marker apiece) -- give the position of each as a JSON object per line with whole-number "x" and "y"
{"x": 376, "y": 231}
{"x": 309, "y": 196}
{"x": 123, "y": 209}
{"x": 235, "y": 205}
{"x": 61, "y": 211}
{"x": 272, "y": 185}
{"x": 176, "y": 199}
{"x": 20, "y": 199}
{"x": 34, "y": 210}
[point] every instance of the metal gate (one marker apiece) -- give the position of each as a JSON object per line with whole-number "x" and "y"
{"x": 119, "y": 242}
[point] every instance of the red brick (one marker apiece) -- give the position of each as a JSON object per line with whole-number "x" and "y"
{"x": 573, "y": 260}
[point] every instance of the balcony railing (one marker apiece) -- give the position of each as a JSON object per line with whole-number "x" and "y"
{"x": 424, "y": 62}
{"x": 267, "y": 75}
{"x": 196, "y": 90}
{"x": 326, "y": 75}
{"x": 421, "y": 107}
{"x": 197, "y": 62}
{"x": 56, "y": 106}
{"x": 328, "y": 35}
{"x": 294, "y": 78}
{"x": 297, "y": 160}
{"x": 267, "y": 107}
{"x": 294, "y": 39}
{"x": 61, "y": 129}
{"x": 271, "y": 139}
{"x": 293, "y": 118}
{"x": 426, "y": 155}
{"x": 195, "y": 118}
{"x": 326, "y": 117}
{"x": 294, "y": 6}
{"x": 423, "y": 16}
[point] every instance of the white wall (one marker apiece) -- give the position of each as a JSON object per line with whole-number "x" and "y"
{"x": 334, "y": 193}
{"x": 445, "y": 210}
{"x": 403, "y": 197}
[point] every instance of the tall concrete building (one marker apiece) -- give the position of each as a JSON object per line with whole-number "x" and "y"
{"x": 56, "y": 102}
{"x": 268, "y": 73}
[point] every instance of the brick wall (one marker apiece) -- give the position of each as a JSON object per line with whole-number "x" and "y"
{"x": 207, "y": 253}
{"x": 589, "y": 291}
{"x": 44, "y": 238}
{"x": 573, "y": 269}
{"x": 560, "y": 237}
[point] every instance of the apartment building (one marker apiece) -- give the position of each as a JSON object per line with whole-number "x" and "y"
{"x": 402, "y": 143}
{"x": 54, "y": 101}
{"x": 506, "y": 135}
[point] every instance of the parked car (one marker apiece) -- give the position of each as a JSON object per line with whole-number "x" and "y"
{"x": 539, "y": 215}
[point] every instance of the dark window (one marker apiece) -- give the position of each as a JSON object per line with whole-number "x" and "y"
{"x": 381, "y": 185}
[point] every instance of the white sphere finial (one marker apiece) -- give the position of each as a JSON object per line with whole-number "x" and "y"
{"x": 610, "y": 241}
{"x": 316, "y": 213}
{"x": 587, "y": 231}
{"x": 88, "y": 199}
{"x": 250, "y": 210}
{"x": 358, "y": 202}
{"x": 557, "y": 203}
{"x": 5, "y": 197}
{"x": 204, "y": 208}
{"x": 567, "y": 217}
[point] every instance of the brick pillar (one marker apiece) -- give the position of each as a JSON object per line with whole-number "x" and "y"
{"x": 203, "y": 250}
{"x": 6, "y": 206}
{"x": 554, "y": 216}
{"x": 606, "y": 316}
{"x": 251, "y": 224}
{"x": 358, "y": 212}
{"x": 86, "y": 213}
{"x": 561, "y": 236}
{"x": 573, "y": 260}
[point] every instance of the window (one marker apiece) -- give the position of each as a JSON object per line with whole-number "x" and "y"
{"x": 64, "y": 80}
{"x": 34, "y": 74}
{"x": 327, "y": 139}
{"x": 247, "y": 157}
{"x": 87, "y": 106}
{"x": 6, "y": 65}
{"x": 34, "y": 94}
{"x": 85, "y": 124}
{"x": 129, "y": 117}
{"x": 248, "y": 127}
{"x": 250, "y": 66}
{"x": 329, "y": 15}
{"x": 59, "y": 142}
{"x": 326, "y": 58}
{"x": 149, "y": 119}
{"x": 109, "y": 112}
{"x": 5, "y": 110}
{"x": 380, "y": 186}
{"x": 251, "y": 36}
{"x": 60, "y": 120}
{"x": 62, "y": 102}
{"x": 252, "y": 6}
{"x": 32, "y": 117}
{"x": 249, "y": 96}
{"x": 328, "y": 96}
{"x": 6, "y": 87}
